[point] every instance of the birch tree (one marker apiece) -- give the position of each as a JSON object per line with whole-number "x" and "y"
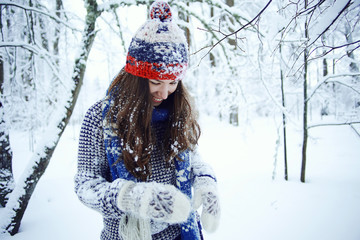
{"x": 6, "y": 175}
{"x": 20, "y": 196}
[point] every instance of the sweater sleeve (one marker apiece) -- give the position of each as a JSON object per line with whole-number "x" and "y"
{"x": 93, "y": 184}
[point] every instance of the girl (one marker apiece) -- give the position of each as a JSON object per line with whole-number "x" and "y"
{"x": 137, "y": 159}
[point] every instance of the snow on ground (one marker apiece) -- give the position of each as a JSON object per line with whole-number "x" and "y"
{"x": 254, "y": 207}
{"x": 257, "y": 208}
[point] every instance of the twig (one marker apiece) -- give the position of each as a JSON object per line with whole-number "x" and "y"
{"x": 333, "y": 21}
{"x": 235, "y": 32}
{"x": 327, "y": 80}
{"x": 356, "y": 131}
{"x": 333, "y": 124}
{"x": 332, "y": 48}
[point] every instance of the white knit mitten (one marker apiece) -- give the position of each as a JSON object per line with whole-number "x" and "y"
{"x": 156, "y": 201}
{"x": 205, "y": 193}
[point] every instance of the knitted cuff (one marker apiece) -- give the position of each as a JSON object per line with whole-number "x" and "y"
{"x": 201, "y": 185}
{"x": 204, "y": 181}
{"x": 134, "y": 198}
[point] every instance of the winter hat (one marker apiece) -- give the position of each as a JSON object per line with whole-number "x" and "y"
{"x": 159, "y": 49}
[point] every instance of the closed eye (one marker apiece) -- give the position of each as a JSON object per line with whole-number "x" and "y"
{"x": 155, "y": 83}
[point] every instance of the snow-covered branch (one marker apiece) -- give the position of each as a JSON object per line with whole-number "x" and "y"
{"x": 330, "y": 78}
{"x": 34, "y": 9}
{"x": 24, "y": 45}
{"x": 42, "y": 53}
{"x": 321, "y": 16}
{"x": 334, "y": 124}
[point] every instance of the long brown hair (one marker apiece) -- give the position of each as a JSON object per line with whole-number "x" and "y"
{"x": 131, "y": 113}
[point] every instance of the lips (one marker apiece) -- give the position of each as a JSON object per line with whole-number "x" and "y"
{"x": 157, "y": 100}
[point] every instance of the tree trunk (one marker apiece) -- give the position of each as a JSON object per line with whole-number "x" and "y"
{"x": 283, "y": 115}
{"x": 353, "y": 66}
{"x": 186, "y": 18}
{"x": 324, "y": 61}
{"x": 325, "y": 104}
{"x": 305, "y": 110}
{"x": 211, "y": 55}
{"x": 232, "y": 41}
{"x": 234, "y": 115}
{"x": 6, "y": 175}
{"x": 43, "y": 153}
{"x": 234, "y": 109}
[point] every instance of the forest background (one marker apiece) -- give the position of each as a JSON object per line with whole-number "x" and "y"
{"x": 295, "y": 62}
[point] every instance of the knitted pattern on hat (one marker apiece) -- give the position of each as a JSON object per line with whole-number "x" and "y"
{"x": 159, "y": 49}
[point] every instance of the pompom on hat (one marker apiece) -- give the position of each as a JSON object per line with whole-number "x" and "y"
{"x": 158, "y": 49}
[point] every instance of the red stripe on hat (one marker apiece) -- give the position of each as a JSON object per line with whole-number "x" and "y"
{"x": 155, "y": 70}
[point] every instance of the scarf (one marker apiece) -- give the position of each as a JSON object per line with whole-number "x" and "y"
{"x": 190, "y": 230}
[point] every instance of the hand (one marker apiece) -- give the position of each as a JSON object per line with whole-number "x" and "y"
{"x": 205, "y": 193}
{"x": 159, "y": 202}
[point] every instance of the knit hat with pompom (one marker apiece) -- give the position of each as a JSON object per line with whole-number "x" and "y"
{"x": 159, "y": 49}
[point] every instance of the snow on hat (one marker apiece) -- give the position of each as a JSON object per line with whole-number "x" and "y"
{"x": 159, "y": 49}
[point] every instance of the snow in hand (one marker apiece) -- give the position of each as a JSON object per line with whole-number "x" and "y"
{"x": 254, "y": 207}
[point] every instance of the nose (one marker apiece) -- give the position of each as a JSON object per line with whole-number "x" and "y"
{"x": 164, "y": 91}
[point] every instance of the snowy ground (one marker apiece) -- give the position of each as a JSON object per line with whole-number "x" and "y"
{"x": 254, "y": 207}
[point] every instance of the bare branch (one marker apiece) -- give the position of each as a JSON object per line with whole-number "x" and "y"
{"x": 310, "y": 43}
{"x": 332, "y": 22}
{"x": 332, "y": 48}
{"x": 355, "y": 130}
{"x": 235, "y": 32}
{"x": 334, "y": 124}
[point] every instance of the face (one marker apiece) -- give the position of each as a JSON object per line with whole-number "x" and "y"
{"x": 160, "y": 90}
